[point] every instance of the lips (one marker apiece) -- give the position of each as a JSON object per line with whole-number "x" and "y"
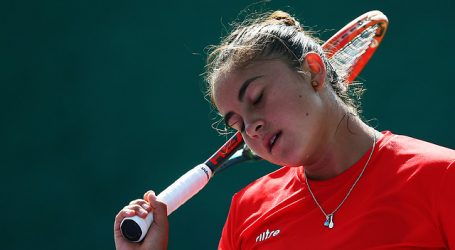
{"x": 271, "y": 140}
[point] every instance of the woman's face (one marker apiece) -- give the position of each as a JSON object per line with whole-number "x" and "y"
{"x": 280, "y": 113}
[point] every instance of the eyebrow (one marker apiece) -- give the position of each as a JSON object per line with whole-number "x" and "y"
{"x": 242, "y": 92}
{"x": 245, "y": 85}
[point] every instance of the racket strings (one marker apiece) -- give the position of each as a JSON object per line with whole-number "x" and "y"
{"x": 348, "y": 56}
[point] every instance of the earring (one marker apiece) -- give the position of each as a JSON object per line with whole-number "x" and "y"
{"x": 314, "y": 83}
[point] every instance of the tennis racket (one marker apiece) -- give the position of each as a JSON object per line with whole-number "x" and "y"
{"x": 350, "y": 48}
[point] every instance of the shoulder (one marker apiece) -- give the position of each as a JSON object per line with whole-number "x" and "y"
{"x": 267, "y": 186}
{"x": 266, "y": 194}
{"x": 426, "y": 173}
{"x": 412, "y": 150}
{"x": 255, "y": 202}
{"x": 413, "y": 159}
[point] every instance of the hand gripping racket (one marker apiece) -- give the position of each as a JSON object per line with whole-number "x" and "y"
{"x": 350, "y": 48}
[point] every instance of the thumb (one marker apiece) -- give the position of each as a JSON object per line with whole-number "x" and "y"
{"x": 158, "y": 234}
{"x": 159, "y": 209}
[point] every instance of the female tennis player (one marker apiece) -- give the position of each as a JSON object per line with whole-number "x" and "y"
{"x": 343, "y": 185}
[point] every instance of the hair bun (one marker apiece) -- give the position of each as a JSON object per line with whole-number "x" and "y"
{"x": 281, "y": 17}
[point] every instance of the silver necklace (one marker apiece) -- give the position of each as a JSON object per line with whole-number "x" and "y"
{"x": 329, "y": 217}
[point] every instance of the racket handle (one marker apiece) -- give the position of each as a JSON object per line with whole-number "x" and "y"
{"x": 135, "y": 228}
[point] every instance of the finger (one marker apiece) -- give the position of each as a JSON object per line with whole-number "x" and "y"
{"x": 148, "y": 195}
{"x": 138, "y": 201}
{"x": 125, "y": 212}
{"x": 138, "y": 210}
{"x": 143, "y": 203}
{"x": 120, "y": 216}
{"x": 160, "y": 209}
{"x": 159, "y": 230}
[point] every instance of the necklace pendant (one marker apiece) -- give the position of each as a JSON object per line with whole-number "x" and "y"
{"x": 329, "y": 221}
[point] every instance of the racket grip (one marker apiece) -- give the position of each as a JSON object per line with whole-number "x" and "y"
{"x": 135, "y": 228}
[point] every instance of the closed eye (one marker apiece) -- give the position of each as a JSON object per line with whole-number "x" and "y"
{"x": 259, "y": 98}
{"x": 238, "y": 125}
{"x": 234, "y": 121}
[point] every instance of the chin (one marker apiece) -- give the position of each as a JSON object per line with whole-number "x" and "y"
{"x": 293, "y": 165}
{"x": 285, "y": 163}
{"x": 293, "y": 159}
{"x": 287, "y": 158}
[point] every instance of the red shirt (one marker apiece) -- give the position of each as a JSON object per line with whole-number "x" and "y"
{"x": 405, "y": 199}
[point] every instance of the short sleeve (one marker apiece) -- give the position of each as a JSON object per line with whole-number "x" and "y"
{"x": 446, "y": 205}
{"x": 227, "y": 235}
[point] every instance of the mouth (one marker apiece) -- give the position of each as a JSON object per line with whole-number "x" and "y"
{"x": 272, "y": 141}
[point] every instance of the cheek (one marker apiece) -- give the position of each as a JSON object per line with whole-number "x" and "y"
{"x": 292, "y": 108}
{"x": 299, "y": 114}
{"x": 254, "y": 145}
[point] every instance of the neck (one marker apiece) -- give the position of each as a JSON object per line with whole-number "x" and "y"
{"x": 350, "y": 140}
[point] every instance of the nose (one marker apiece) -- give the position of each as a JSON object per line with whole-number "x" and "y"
{"x": 255, "y": 128}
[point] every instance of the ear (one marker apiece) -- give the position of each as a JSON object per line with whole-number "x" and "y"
{"x": 315, "y": 66}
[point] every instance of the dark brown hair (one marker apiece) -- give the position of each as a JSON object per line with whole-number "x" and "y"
{"x": 275, "y": 35}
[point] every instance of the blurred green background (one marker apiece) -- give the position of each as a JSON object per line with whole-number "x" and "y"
{"x": 102, "y": 100}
